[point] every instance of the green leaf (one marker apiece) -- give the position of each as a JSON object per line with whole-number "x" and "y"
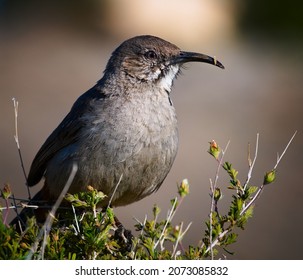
{"x": 252, "y": 189}
{"x": 231, "y": 238}
{"x": 249, "y": 212}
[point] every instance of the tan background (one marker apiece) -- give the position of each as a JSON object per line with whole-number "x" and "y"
{"x": 51, "y": 53}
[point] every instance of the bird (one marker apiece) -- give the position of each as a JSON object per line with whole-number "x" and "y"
{"x": 123, "y": 129}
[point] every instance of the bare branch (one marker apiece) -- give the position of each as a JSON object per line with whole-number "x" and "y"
{"x": 213, "y": 204}
{"x": 259, "y": 191}
{"x": 262, "y": 186}
{"x": 280, "y": 157}
{"x": 114, "y": 192}
{"x": 16, "y": 137}
{"x": 77, "y": 229}
{"x": 214, "y": 243}
{"x": 169, "y": 218}
{"x": 220, "y": 162}
{"x": 179, "y": 238}
{"x": 252, "y": 164}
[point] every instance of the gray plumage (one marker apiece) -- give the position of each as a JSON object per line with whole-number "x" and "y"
{"x": 125, "y": 124}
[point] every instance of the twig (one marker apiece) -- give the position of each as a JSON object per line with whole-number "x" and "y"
{"x": 16, "y": 137}
{"x": 177, "y": 241}
{"x": 252, "y": 200}
{"x": 8, "y": 207}
{"x": 16, "y": 207}
{"x": 213, "y": 204}
{"x": 179, "y": 238}
{"x": 76, "y": 220}
{"x": 177, "y": 206}
{"x": 112, "y": 196}
{"x": 251, "y": 164}
{"x": 114, "y": 192}
{"x": 169, "y": 218}
{"x": 220, "y": 164}
{"x": 44, "y": 231}
{"x": 143, "y": 225}
{"x": 214, "y": 243}
{"x": 141, "y": 233}
{"x": 14, "y": 204}
{"x": 262, "y": 186}
{"x": 280, "y": 157}
{"x": 6, "y": 212}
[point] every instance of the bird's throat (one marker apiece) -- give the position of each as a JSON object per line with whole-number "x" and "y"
{"x": 166, "y": 81}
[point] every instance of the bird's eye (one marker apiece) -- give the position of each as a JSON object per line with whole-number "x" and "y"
{"x": 150, "y": 55}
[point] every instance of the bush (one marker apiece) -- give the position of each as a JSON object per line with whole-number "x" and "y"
{"x": 83, "y": 232}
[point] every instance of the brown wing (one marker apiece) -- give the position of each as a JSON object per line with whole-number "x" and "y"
{"x": 65, "y": 134}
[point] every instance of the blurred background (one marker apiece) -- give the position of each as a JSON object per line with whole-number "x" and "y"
{"x": 53, "y": 51}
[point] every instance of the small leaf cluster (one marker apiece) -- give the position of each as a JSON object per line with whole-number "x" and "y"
{"x": 155, "y": 236}
{"x": 222, "y": 227}
{"x": 88, "y": 234}
{"x": 83, "y": 234}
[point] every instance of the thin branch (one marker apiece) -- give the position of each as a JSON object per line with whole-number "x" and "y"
{"x": 262, "y": 186}
{"x": 252, "y": 200}
{"x": 141, "y": 233}
{"x": 7, "y": 207}
{"x": 252, "y": 164}
{"x": 213, "y": 204}
{"x": 14, "y": 204}
{"x": 280, "y": 157}
{"x": 16, "y": 104}
{"x": 169, "y": 218}
{"x": 220, "y": 162}
{"x": 114, "y": 192}
{"x": 76, "y": 220}
{"x": 112, "y": 196}
{"x": 214, "y": 243}
{"x": 177, "y": 241}
{"x": 143, "y": 225}
{"x": 179, "y": 238}
{"x": 16, "y": 137}
{"x": 177, "y": 206}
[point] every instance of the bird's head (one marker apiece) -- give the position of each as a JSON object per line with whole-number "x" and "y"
{"x": 149, "y": 59}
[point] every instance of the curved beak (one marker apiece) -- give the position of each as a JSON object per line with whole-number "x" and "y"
{"x": 184, "y": 57}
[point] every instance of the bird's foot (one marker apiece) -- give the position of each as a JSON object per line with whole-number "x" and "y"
{"x": 123, "y": 236}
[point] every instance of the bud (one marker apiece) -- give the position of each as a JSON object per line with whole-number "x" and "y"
{"x": 269, "y": 177}
{"x": 90, "y": 188}
{"x": 23, "y": 245}
{"x": 214, "y": 149}
{"x": 183, "y": 189}
{"x": 217, "y": 194}
{"x": 55, "y": 237}
{"x": 156, "y": 210}
{"x": 6, "y": 193}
